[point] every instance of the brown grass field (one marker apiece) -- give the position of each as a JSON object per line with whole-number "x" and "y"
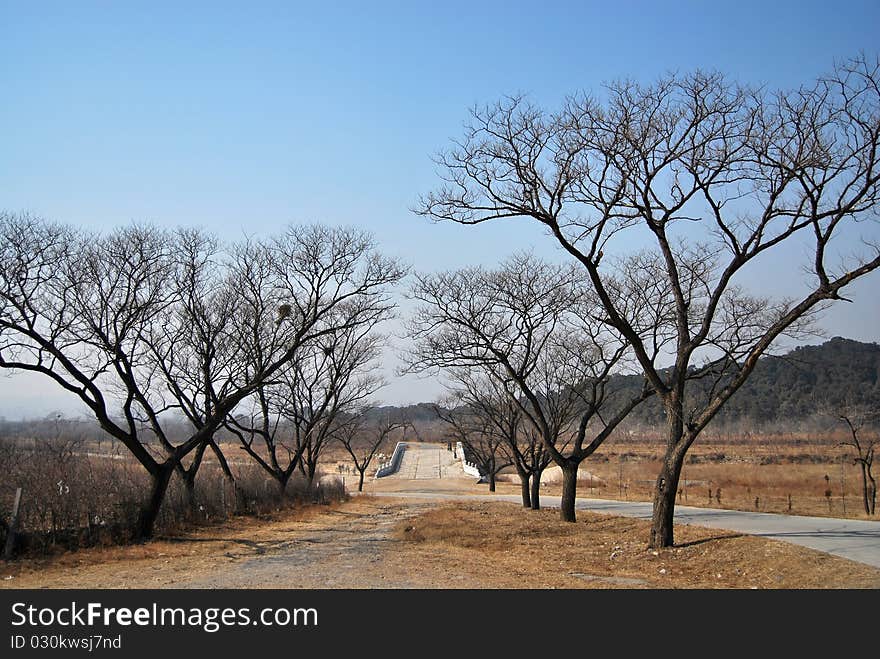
{"x": 775, "y": 470}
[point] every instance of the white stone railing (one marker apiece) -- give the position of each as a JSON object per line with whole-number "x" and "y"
{"x": 393, "y": 463}
{"x": 469, "y": 467}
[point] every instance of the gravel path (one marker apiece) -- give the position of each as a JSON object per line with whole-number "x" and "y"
{"x": 344, "y": 549}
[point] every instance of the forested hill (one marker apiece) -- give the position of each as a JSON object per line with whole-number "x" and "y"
{"x": 791, "y": 386}
{"x": 782, "y": 388}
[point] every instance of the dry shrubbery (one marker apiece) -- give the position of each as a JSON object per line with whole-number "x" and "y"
{"x": 69, "y": 499}
{"x": 72, "y": 499}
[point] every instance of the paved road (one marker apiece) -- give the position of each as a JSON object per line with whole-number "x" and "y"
{"x": 853, "y": 539}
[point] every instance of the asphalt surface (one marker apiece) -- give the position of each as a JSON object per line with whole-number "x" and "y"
{"x": 856, "y": 540}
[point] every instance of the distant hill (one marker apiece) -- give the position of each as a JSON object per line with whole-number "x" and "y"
{"x": 794, "y": 385}
{"x": 782, "y": 388}
{"x": 418, "y": 413}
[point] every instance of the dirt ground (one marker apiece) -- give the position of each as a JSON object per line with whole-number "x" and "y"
{"x": 391, "y": 543}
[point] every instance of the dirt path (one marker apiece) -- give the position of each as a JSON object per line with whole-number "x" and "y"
{"x": 341, "y": 546}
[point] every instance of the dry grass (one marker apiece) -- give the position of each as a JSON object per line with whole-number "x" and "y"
{"x": 777, "y": 471}
{"x": 505, "y": 547}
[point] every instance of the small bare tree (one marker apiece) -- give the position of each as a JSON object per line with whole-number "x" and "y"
{"x": 291, "y": 418}
{"x": 363, "y": 438}
{"x": 494, "y": 413}
{"x": 530, "y": 458}
{"x": 481, "y": 425}
{"x": 861, "y": 424}
{"x": 329, "y": 382}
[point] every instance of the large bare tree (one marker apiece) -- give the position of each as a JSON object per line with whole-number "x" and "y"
{"x": 689, "y": 164}
{"x": 74, "y": 309}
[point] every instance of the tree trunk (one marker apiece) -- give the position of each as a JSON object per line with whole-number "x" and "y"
{"x": 524, "y": 485}
{"x": 873, "y": 493}
{"x": 666, "y": 487}
{"x": 664, "y": 500}
{"x": 189, "y": 478}
{"x": 536, "y": 490}
{"x": 361, "y": 480}
{"x": 189, "y": 483}
{"x": 224, "y": 465}
{"x": 491, "y": 481}
{"x": 569, "y": 492}
{"x": 865, "y": 488}
{"x": 150, "y": 510}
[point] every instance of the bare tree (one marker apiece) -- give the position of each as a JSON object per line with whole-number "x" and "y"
{"x": 363, "y": 439}
{"x": 489, "y": 402}
{"x": 530, "y": 458}
{"x": 74, "y": 309}
{"x": 531, "y": 329}
{"x": 335, "y": 382}
{"x": 511, "y": 438}
{"x": 691, "y": 163}
{"x": 858, "y": 419}
{"x": 191, "y": 346}
{"x": 481, "y": 427}
{"x": 291, "y": 418}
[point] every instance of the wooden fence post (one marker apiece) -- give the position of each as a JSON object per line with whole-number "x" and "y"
{"x": 13, "y": 525}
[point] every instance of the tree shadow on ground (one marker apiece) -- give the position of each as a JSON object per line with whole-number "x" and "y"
{"x": 694, "y": 543}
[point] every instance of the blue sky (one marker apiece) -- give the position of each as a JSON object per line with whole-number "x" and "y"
{"x": 245, "y": 116}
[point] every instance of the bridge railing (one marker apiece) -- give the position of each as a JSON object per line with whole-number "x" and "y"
{"x": 393, "y": 463}
{"x": 469, "y": 467}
